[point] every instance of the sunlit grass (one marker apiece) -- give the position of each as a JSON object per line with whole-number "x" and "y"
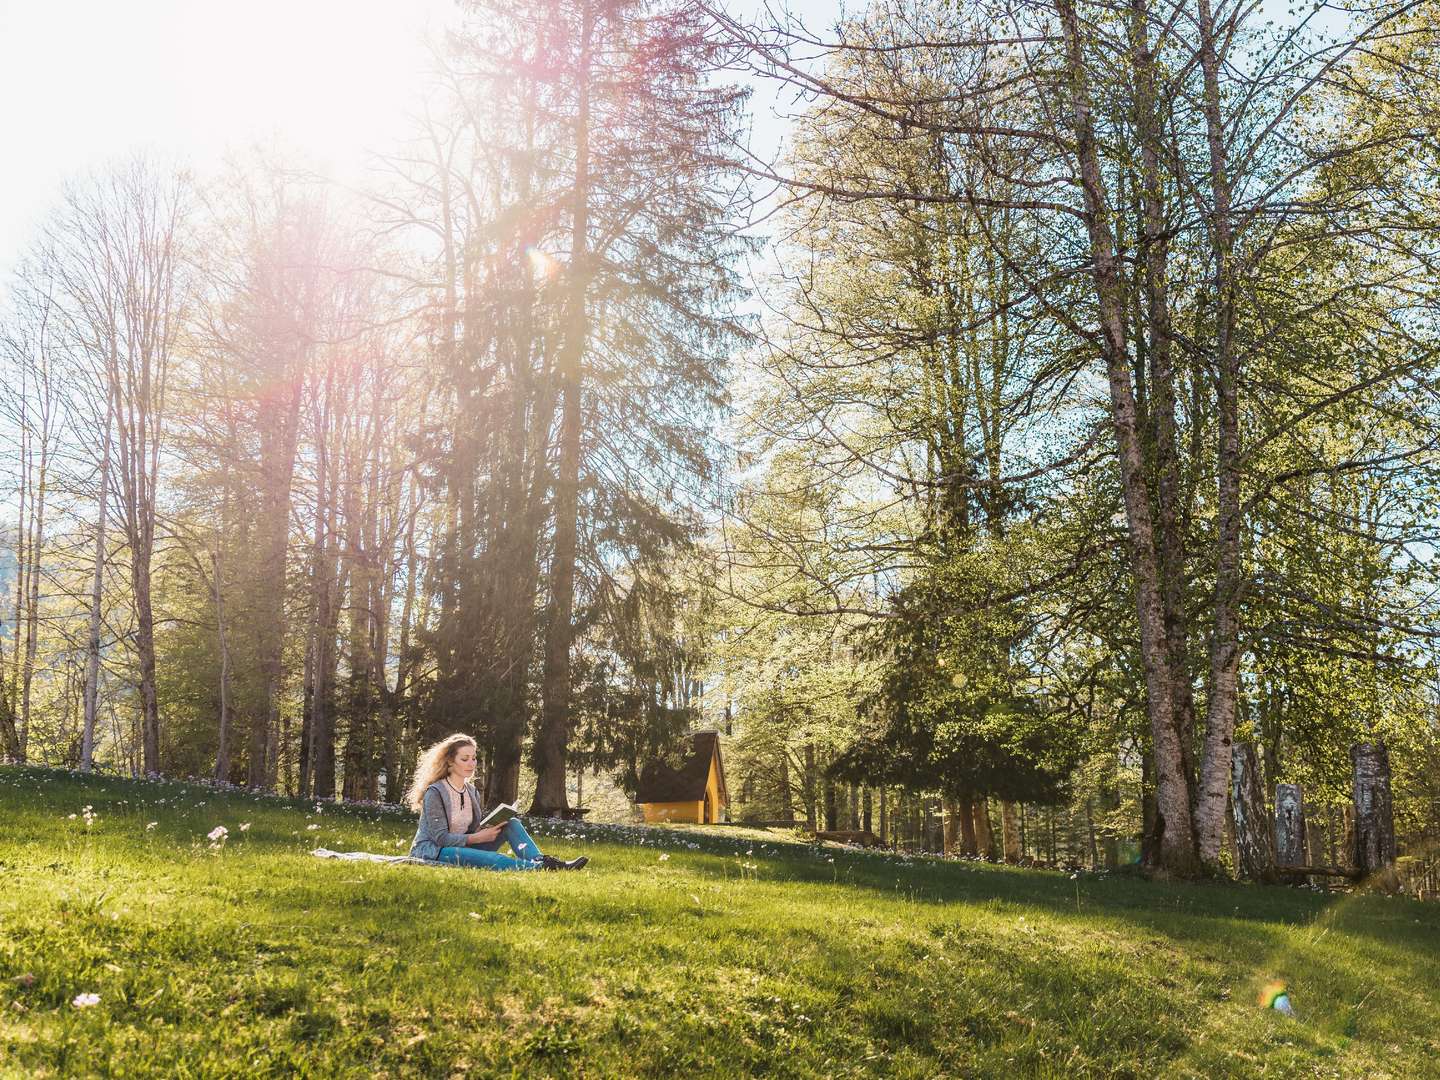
{"x": 690, "y": 953}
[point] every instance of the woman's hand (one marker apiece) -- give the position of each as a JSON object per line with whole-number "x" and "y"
{"x": 484, "y": 836}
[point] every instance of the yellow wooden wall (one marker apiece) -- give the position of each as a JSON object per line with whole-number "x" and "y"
{"x": 688, "y": 812}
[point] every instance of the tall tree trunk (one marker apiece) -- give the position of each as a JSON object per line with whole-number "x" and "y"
{"x": 552, "y": 740}
{"x": 279, "y": 441}
{"x": 97, "y": 583}
{"x": 307, "y": 702}
{"x": 222, "y": 754}
{"x": 787, "y": 799}
{"x": 32, "y": 603}
{"x": 10, "y": 687}
{"x": 809, "y": 786}
{"x": 1009, "y": 831}
{"x": 1155, "y": 250}
{"x": 1224, "y": 642}
{"x": 963, "y": 807}
{"x": 331, "y": 584}
{"x": 145, "y": 647}
{"x": 1175, "y": 852}
{"x": 984, "y": 840}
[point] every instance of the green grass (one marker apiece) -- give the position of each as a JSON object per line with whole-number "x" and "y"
{"x": 663, "y": 959}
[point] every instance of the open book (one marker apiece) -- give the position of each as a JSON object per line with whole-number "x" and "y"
{"x": 499, "y": 816}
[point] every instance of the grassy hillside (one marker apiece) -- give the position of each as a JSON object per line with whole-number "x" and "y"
{"x": 686, "y": 954}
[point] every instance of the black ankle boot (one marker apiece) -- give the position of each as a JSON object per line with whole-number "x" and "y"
{"x": 549, "y": 862}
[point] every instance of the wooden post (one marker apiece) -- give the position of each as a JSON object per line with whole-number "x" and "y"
{"x": 1289, "y": 828}
{"x": 1253, "y": 837}
{"x": 1374, "y": 815}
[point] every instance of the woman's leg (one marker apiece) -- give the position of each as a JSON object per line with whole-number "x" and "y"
{"x": 486, "y": 860}
{"x": 519, "y": 840}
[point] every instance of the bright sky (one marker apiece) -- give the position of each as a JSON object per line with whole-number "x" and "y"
{"x": 83, "y": 82}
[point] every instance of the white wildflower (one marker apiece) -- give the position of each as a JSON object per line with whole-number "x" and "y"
{"x": 84, "y": 1001}
{"x": 151, "y": 827}
{"x": 312, "y": 828}
{"x": 245, "y": 826}
{"x": 664, "y": 855}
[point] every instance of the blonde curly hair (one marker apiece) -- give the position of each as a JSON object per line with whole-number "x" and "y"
{"x": 434, "y": 763}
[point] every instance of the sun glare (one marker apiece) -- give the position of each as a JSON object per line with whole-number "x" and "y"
{"x": 542, "y": 264}
{"x": 330, "y": 80}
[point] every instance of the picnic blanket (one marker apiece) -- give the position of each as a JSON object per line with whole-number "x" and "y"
{"x": 366, "y": 856}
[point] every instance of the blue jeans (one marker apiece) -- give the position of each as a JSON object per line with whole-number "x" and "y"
{"x": 488, "y": 857}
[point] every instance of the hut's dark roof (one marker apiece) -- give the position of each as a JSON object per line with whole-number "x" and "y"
{"x": 659, "y": 782}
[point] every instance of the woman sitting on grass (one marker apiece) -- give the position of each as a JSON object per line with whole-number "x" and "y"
{"x": 450, "y": 816}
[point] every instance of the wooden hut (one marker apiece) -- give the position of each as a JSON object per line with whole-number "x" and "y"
{"x": 694, "y": 791}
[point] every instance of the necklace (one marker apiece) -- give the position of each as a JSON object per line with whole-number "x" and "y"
{"x": 459, "y": 791}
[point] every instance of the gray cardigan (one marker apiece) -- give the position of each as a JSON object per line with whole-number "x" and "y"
{"x": 435, "y": 832}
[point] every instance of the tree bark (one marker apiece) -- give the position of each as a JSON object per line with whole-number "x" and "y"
{"x": 1009, "y": 831}
{"x": 36, "y": 548}
{"x": 552, "y": 740}
{"x": 951, "y": 835}
{"x": 980, "y": 810}
{"x": 809, "y": 786}
{"x": 1289, "y": 827}
{"x": 222, "y": 754}
{"x": 145, "y": 647}
{"x": 1254, "y": 837}
{"x": 1155, "y": 251}
{"x": 97, "y": 583}
{"x": 962, "y": 807}
{"x": 1224, "y": 642}
{"x": 1374, "y": 816}
{"x": 1175, "y": 851}
{"x": 279, "y": 441}
{"x": 787, "y": 800}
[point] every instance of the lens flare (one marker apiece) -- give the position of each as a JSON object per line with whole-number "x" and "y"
{"x": 1274, "y": 995}
{"x": 543, "y": 265}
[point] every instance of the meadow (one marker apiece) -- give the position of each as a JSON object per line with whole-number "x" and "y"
{"x": 137, "y": 941}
